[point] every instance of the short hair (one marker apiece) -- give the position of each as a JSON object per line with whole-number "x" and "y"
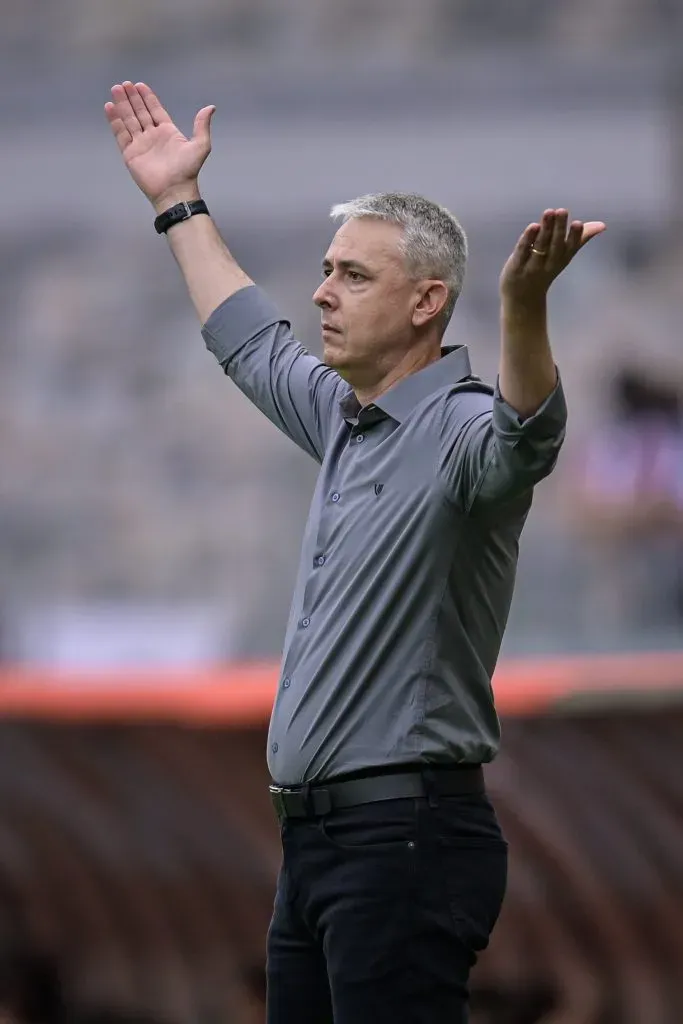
{"x": 434, "y": 243}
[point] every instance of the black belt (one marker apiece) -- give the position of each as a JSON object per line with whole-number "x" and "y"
{"x": 322, "y": 798}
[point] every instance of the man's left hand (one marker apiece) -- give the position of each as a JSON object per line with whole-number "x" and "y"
{"x": 542, "y": 252}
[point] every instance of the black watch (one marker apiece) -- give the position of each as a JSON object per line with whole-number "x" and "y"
{"x": 178, "y": 213}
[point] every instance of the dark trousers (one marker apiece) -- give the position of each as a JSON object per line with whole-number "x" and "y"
{"x": 381, "y": 910}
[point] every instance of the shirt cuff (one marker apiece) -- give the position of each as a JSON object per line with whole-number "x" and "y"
{"x": 242, "y": 316}
{"x": 549, "y": 420}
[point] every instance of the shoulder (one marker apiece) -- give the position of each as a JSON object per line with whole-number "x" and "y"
{"x": 467, "y": 399}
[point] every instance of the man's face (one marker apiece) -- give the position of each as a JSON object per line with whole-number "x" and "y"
{"x": 367, "y": 300}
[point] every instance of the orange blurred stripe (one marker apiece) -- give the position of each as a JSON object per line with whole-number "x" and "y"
{"x": 243, "y": 693}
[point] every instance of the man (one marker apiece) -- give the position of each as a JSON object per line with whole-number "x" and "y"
{"x": 394, "y": 866}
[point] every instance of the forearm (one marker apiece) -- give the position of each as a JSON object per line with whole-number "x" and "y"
{"x": 211, "y": 272}
{"x": 527, "y": 372}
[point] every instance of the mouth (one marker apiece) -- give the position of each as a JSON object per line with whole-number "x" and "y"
{"x": 329, "y": 329}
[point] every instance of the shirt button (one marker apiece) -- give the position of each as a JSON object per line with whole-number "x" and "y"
{"x": 360, "y": 438}
{"x": 320, "y": 560}
{"x": 305, "y": 623}
{"x": 335, "y": 496}
{"x": 286, "y": 682}
{"x": 275, "y": 748}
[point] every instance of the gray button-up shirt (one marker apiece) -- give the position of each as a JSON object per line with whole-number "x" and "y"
{"x": 409, "y": 555}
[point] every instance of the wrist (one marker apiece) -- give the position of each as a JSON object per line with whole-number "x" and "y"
{"x": 178, "y": 194}
{"x": 532, "y": 308}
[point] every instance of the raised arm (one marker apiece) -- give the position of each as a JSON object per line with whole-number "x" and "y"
{"x": 165, "y": 166}
{"x": 527, "y": 373}
{"x": 250, "y": 340}
{"x": 495, "y": 449}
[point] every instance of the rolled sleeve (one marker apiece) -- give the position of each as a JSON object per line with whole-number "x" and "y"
{"x": 547, "y": 423}
{"x": 255, "y": 347}
{"x": 245, "y": 315}
{"x": 490, "y": 455}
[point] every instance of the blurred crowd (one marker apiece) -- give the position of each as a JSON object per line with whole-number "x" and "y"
{"x": 397, "y": 26}
{"x": 137, "y": 486}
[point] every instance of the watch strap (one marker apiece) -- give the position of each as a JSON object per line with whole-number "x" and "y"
{"x": 178, "y": 213}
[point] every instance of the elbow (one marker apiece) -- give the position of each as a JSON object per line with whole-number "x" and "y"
{"x": 515, "y": 470}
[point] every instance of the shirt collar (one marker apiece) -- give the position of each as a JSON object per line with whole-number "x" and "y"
{"x": 399, "y": 401}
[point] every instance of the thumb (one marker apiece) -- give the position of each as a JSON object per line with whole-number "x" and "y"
{"x": 202, "y": 126}
{"x": 592, "y": 228}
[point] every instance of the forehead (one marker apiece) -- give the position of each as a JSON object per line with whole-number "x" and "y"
{"x": 367, "y": 240}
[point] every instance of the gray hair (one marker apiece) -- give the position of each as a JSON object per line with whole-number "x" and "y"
{"x": 434, "y": 243}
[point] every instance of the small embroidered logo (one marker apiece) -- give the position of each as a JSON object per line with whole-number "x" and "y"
{"x": 379, "y": 488}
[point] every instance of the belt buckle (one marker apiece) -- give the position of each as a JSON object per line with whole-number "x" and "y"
{"x": 277, "y": 798}
{"x": 277, "y": 794}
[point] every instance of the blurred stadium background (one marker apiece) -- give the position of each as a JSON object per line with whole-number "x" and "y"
{"x": 150, "y": 519}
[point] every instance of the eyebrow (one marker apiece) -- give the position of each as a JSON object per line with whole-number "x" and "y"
{"x": 346, "y": 265}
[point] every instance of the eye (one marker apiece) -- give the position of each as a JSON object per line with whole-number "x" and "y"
{"x": 326, "y": 271}
{"x": 355, "y": 276}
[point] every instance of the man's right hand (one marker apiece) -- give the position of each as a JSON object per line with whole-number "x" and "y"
{"x": 162, "y": 162}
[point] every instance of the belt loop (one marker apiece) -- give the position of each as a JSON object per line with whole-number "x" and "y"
{"x": 306, "y": 798}
{"x": 431, "y": 790}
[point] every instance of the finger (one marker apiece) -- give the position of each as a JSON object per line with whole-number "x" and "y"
{"x": 574, "y": 237}
{"x": 202, "y": 126}
{"x": 522, "y": 250}
{"x": 125, "y": 111}
{"x": 542, "y": 242}
{"x": 137, "y": 103}
{"x": 558, "y": 241}
{"x": 121, "y": 133}
{"x": 158, "y": 114}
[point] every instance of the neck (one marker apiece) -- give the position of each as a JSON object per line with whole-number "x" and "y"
{"x": 412, "y": 362}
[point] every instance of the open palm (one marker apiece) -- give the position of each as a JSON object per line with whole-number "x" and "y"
{"x": 157, "y": 154}
{"x": 543, "y": 251}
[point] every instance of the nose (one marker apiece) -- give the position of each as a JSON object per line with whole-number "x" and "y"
{"x": 324, "y": 296}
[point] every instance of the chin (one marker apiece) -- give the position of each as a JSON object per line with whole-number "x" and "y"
{"x": 332, "y": 356}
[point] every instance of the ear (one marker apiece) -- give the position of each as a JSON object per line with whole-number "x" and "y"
{"x": 431, "y": 300}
